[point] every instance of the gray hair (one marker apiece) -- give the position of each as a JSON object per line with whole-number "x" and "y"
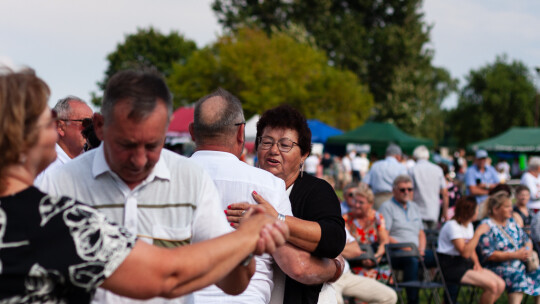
{"x": 534, "y": 163}
{"x": 393, "y": 149}
{"x": 142, "y": 89}
{"x": 421, "y": 152}
{"x": 401, "y": 179}
{"x": 223, "y": 124}
{"x": 63, "y": 107}
{"x": 365, "y": 191}
{"x": 350, "y": 186}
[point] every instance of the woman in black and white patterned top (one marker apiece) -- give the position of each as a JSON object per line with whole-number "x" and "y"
{"x": 58, "y": 250}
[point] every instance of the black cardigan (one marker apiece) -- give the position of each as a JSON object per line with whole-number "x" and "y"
{"x": 313, "y": 199}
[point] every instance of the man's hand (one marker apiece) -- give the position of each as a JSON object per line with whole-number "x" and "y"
{"x": 273, "y": 233}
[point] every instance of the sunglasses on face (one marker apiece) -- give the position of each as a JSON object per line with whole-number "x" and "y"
{"x": 403, "y": 190}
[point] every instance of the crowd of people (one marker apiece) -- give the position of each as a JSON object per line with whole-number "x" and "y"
{"x": 93, "y": 209}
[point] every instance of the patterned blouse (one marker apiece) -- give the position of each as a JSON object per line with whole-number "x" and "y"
{"x": 368, "y": 234}
{"x": 55, "y": 249}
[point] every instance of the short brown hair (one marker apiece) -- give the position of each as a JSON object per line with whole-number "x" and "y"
{"x": 465, "y": 209}
{"x": 23, "y": 98}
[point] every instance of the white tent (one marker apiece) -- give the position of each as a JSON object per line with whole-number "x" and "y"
{"x": 251, "y": 128}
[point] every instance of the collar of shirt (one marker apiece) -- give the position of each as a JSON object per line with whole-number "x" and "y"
{"x": 61, "y": 155}
{"x": 212, "y": 153}
{"x": 401, "y": 205}
{"x": 100, "y": 166}
{"x": 392, "y": 159}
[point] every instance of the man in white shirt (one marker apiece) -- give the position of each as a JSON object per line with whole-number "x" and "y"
{"x": 218, "y": 131}
{"x": 531, "y": 179}
{"x": 311, "y": 164}
{"x": 429, "y": 185}
{"x": 162, "y": 197}
{"x": 71, "y": 112}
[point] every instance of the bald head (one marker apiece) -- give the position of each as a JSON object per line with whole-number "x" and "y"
{"x": 212, "y": 110}
{"x": 216, "y": 119}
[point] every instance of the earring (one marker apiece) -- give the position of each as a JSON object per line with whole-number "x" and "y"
{"x": 22, "y": 158}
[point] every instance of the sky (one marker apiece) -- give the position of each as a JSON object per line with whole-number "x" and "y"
{"x": 66, "y": 42}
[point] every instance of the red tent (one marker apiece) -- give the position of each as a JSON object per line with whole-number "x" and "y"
{"x": 181, "y": 119}
{"x": 178, "y": 131}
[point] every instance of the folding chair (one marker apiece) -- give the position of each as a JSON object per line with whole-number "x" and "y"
{"x": 426, "y": 285}
{"x": 469, "y": 294}
{"x": 367, "y": 255}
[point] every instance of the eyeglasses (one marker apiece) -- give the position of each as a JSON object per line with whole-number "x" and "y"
{"x": 284, "y": 144}
{"x": 84, "y": 122}
{"x": 402, "y": 190}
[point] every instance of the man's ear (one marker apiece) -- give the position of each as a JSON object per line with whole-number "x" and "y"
{"x": 240, "y": 135}
{"x": 191, "y": 131}
{"x": 61, "y": 128}
{"x": 99, "y": 123}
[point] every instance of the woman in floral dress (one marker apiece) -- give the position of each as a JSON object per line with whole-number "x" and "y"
{"x": 368, "y": 227}
{"x": 506, "y": 247}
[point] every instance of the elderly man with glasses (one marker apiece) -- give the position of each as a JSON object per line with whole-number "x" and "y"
{"x": 404, "y": 225}
{"x": 72, "y": 113}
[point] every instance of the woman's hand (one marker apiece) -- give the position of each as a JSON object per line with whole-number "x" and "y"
{"x": 522, "y": 254}
{"x": 269, "y": 209}
{"x": 235, "y": 212}
{"x": 368, "y": 263}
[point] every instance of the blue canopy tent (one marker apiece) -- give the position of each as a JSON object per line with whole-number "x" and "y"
{"x": 321, "y": 131}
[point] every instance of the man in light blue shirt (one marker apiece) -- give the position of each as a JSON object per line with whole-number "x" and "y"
{"x": 382, "y": 174}
{"x": 480, "y": 177}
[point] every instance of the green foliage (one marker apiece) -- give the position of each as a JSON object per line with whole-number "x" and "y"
{"x": 496, "y": 97}
{"x": 383, "y": 42}
{"x": 147, "y": 48}
{"x": 265, "y": 72}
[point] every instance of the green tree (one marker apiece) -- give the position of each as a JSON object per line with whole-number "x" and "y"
{"x": 265, "y": 72}
{"x": 147, "y": 48}
{"x": 383, "y": 42}
{"x": 496, "y": 97}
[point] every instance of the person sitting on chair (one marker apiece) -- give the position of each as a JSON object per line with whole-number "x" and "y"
{"x": 506, "y": 248}
{"x": 404, "y": 224}
{"x": 456, "y": 251}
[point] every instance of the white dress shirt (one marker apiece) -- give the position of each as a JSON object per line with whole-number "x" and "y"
{"x": 61, "y": 158}
{"x": 236, "y": 181}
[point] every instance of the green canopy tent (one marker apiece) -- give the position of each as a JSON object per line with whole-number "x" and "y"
{"x": 378, "y": 135}
{"x": 517, "y": 139}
